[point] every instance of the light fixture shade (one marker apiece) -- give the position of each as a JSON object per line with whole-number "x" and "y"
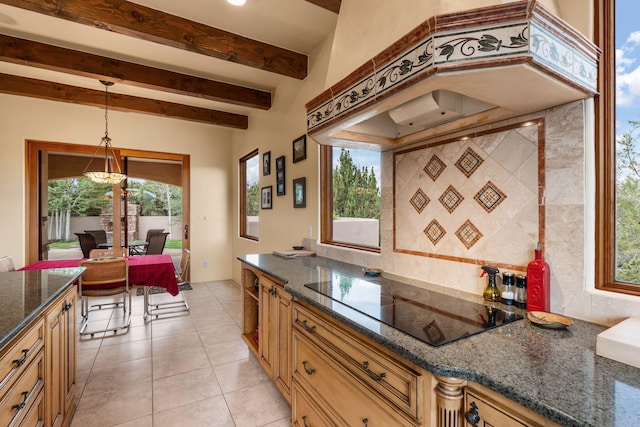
{"x": 105, "y": 177}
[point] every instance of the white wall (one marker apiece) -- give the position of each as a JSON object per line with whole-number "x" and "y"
{"x": 283, "y": 226}
{"x": 209, "y": 146}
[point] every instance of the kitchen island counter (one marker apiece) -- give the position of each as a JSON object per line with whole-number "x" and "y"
{"x": 555, "y": 373}
{"x": 26, "y": 294}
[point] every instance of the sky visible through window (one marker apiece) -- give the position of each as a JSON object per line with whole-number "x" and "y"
{"x": 627, "y": 63}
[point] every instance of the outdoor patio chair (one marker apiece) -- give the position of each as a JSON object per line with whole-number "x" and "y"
{"x": 105, "y": 278}
{"x": 6, "y": 264}
{"x": 108, "y": 253}
{"x": 156, "y": 243}
{"x": 99, "y": 235}
{"x": 154, "y": 231}
{"x": 87, "y": 242}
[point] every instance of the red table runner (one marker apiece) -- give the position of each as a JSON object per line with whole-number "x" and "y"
{"x": 145, "y": 270}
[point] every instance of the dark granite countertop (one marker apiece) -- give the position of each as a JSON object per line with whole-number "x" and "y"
{"x": 25, "y": 294}
{"x": 555, "y": 373}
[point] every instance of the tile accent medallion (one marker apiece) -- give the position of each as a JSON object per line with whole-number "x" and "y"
{"x": 435, "y": 167}
{"x": 488, "y": 192}
{"x": 435, "y": 232}
{"x": 468, "y": 234}
{"x": 521, "y": 36}
{"x": 489, "y": 197}
{"x": 469, "y": 162}
{"x": 450, "y": 199}
{"x": 419, "y": 200}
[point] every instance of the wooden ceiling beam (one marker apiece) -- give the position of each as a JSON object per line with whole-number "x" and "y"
{"x": 24, "y": 86}
{"x": 34, "y": 54}
{"x": 330, "y": 5}
{"x": 138, "y": 21}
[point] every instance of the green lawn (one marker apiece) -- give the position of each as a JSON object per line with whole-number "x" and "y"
{"x": 69, "y": 244}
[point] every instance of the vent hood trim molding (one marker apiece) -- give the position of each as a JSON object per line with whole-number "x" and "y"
{"x": 522, "y": 32}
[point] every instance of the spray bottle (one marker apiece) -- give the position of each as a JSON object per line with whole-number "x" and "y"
{"x": 491, "y": 292}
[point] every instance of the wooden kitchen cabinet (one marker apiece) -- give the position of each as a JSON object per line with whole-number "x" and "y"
{"x": 486, "y": 408}
{"x": 60, "y": 355}
{"x": 275, "y": 334}
{"x": 266, "y": 326}
{"x": 352, "y": 380}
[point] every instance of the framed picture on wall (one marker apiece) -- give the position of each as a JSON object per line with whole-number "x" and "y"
{"x": 266, "y": 163}
{"x": 300, "y": 193}
{"x": 280, "y": 187}
{"x": 300, "y": 148}
{"x": 265, "y": 202}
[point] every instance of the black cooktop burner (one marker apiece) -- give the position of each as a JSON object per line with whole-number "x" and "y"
{"x": 429, "y": 316}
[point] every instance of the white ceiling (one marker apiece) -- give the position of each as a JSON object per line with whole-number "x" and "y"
{"x": 295, "y": 25}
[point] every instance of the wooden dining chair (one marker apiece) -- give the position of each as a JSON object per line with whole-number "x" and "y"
{"x": 108, "y": 253}
{"x": 104, "y": 278}
{"x": 6, "y": 264}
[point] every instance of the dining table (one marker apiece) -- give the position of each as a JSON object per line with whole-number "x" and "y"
{"x": 144, "y": 270}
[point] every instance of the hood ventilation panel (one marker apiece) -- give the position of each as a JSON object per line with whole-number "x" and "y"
{"x": 434, "y": 107}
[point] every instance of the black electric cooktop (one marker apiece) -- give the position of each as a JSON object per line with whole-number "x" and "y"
{"x": 429, "y": 316}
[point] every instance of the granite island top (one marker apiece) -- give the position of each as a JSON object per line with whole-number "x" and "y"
{"x": 554, "y": 372}
{"x": 25, "y": 294}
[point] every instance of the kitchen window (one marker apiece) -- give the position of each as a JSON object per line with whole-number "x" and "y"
{"x": 618, "y": 148}
{"x": 350, "y": 205}
{"x": 249, "y": 196}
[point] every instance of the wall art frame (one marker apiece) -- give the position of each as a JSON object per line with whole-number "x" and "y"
{"x": 300, "y": 148}
{"x": 280, "y": 176}
{"x": 266, "y": 163}
{"x": 300, "y": 193}
{"x": 266, "y": 199}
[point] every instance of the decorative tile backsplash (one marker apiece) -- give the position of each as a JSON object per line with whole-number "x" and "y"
{"x": 471, "y": 199}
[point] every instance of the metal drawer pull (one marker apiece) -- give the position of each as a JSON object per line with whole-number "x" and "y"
{"x": 22, "y": 404}
{"x": 307, "y": 370}
{"x": 309, "y": 329}
{"x": 20, "y": 362}
{"x": 372, "y": 374}
{"x": 365, "y": 422}
{"x": 304, "y": 421}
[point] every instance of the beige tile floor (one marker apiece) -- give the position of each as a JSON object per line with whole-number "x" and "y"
{"x": 187, "y": 369}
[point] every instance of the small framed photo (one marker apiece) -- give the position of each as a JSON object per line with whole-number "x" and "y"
{"x": 300, "y": 193}
{"x": 265, "y": 202}
{"x": 266, "y": 163}
{"x": 300, "y": 148}
{"x": 280, "y": 186}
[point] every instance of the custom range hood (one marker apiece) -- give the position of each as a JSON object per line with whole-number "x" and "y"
{"x": 455, "y": 71}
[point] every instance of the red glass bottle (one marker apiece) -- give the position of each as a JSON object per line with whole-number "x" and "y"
{"x": 538, "y": 283}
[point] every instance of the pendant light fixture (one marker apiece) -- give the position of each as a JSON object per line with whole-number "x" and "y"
{"x": 109, "y": 175}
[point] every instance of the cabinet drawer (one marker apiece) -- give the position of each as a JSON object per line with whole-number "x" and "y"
{"x": 395, "y": 381}
{"x": 496, "y": 410}
{"x": 347, "y": 399}
{"x": 35, "y": 416}
{"x": 304, "y": 412}
{"x": 19, "y": 399}
{"x": 19, "y": 356}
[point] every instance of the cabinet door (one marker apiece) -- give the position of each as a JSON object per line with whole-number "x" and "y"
{"x": 60, "y": 353}
{"x": 54, "y": 344}
{"x": 265, "y": 327}
{"x": 69, "y": 349}
{"x": 282, "y": 361}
